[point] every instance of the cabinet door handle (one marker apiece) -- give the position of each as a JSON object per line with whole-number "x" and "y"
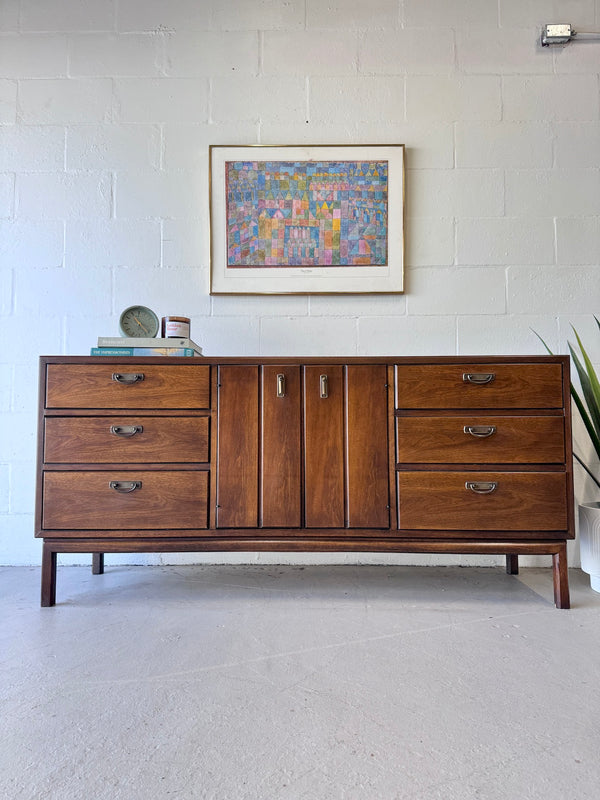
{"x": 481, "y": 487}
{"x": 128, "y": 378}
{"x": 480, "y": 431}
{"x": 124, "y": 487}
{"x": 478, "y": 378}
{"x": 126, "y": 430}
{"x": 324, "y": 386}
{"x": 280, "y": 385}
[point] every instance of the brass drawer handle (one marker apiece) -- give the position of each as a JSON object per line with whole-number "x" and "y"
{"x": 128, "y": 378}
{"x": 124, "y": 487}
{"x": 478, "y": 378}
{"x": 324, "y": 387}
{"x": 280, "y": 385}
{"x": 481, "y": 487}
{"x": 126, "y": 430}
{"x": 480, "y": 431}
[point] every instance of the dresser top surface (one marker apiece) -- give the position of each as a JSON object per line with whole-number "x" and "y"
{"x": 324, "y": 359}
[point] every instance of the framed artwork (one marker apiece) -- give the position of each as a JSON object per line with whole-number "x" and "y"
{"x": 306, "y": 219}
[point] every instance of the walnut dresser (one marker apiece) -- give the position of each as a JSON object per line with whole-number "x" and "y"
{"x": 394, "y": 454}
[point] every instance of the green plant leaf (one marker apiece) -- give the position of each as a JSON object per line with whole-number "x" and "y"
{"x": 544, "y": 343}
{"x": 590, "y": 385}
{"x": 589, "y": 405}
{"x": 595, "y": 439}
{"x": 586, "y": 468}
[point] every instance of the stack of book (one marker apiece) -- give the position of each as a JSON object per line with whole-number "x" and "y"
{"x": 123, "y": 346}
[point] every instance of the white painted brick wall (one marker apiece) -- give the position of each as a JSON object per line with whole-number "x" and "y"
{"x": 112, "y": 147}
{"x": 577, "y": 240}
{"x": 310, "y": 52}
{"x": 350, "y": 14}
{"x": 450, "y": 13}
{"x": 33, "y": 55}
{"x": 161, "y": 100}
{"x": 401, "y": 333}
{"x": 8, "y": 101}
{"x": 65, "y": 101}
{"x": 74, "y": 195}
{"x": 113, "y": 243}
{"x": 247, "y": 98}
{"x": 457, "y": 290}
{"x": 31, "y": 243}
{"x": 507, "y": 51}
{"x": 107, "y": 109}
{"x": 67, "y": 15}
{"x": 430, "y": 241}
{"x": 560, "y": 98}
{"x": 9, "y": 15}
{"x": 455, "y": 193}
{"x": 407, "y": 50}
{"x": 29, "y": 148}
{"x": 576, "y": 144}
{"x": 505, "y": 240}
{"x": 356, "y": 99}
{"x": 443, "y": 98}
{"x": 504, "y": 144}
{"x": 7, "y": 194}
{"x": 154, "y": 15}
{"x": 553, "y": 193}
{"x": 108, "y": 54}
{"x": 159, "y": 194}
{"x": 263, "y": 15}
{"x": 6, "y": 293}
{"x": 516, "y": 13}
{"x": 200, "y": 53}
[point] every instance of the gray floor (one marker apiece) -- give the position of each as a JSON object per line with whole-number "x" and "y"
{"x": 320, "y": 683}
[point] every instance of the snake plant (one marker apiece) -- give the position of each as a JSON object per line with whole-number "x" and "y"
{"x": 588, "y": 401}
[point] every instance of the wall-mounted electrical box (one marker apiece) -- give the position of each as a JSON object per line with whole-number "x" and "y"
{"x": 557, "y": 34}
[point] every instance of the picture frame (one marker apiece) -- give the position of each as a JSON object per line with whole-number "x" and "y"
{"x": 306, "y": 219}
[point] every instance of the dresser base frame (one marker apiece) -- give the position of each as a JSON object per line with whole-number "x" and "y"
{"x": 511, "y": 549}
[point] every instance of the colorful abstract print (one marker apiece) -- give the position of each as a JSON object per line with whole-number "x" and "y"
{"x": 306, "y": 213}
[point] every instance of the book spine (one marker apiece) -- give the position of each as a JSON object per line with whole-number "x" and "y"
{"x": 144, "y": 341}
{"x": 120, "y": 342}
{"x": 142, "y": 351}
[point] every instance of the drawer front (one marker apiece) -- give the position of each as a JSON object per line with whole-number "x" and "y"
{"x": 129, "y": 440}
{"x": 476, "y": 439}
{"x": 479, "y": 386}
{"x": 135, "y": 385}
{"x": 101, "y": 500}
{"x": 504, "y": 501}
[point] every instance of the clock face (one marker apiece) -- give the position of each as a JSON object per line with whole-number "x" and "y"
{"x": 138, "y": 321}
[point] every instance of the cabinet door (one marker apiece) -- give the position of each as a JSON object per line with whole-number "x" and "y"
{"x": 237, "y": 464}
{"x": 367, "y": 464}
{"x": 293, "y": 454}
{"x": 280, "y": 488}
{"x": 324, "y": 447}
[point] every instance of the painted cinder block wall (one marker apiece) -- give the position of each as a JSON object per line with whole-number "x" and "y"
{"x": 107, "y": 108}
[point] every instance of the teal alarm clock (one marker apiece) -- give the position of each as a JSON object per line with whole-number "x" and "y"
{"x": 139, "y": 321}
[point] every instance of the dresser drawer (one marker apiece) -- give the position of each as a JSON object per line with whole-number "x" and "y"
{"x": 129, "y": 440}
{"x": 102, "y": 501}
{"x": 129, "y": 386}
{"x": 477, "y": 439}
{"x": 487, "y": 501}
{"x": 487, "y": 386}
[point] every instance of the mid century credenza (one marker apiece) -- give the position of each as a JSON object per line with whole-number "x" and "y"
{"x": 387, "y": 454}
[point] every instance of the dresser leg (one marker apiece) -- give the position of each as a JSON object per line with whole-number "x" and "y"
{"x": 561, "y": 578}
{"x": 48, "y": 576}
{"x": 97, "y": 563}
{"x": 512, "y": 564}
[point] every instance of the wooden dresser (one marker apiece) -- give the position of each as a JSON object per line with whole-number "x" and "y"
{"x": 428, "y": 455}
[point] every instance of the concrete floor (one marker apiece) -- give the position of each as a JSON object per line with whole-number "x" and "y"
{"x": 320, "y": 683}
